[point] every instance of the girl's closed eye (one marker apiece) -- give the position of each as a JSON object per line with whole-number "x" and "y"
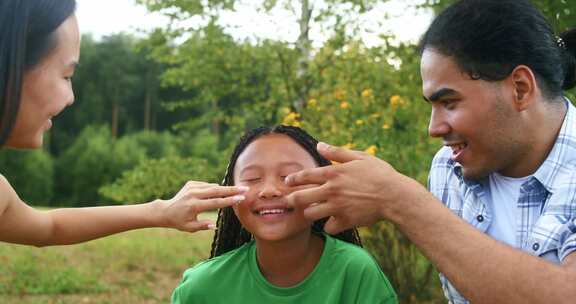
{"x": 250, "y": 180}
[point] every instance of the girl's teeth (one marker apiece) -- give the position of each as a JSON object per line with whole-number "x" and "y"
{"x": 271, "y": 211}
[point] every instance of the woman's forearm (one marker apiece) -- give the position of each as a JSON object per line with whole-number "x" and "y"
{"x": 76, "y": 225}
{"x": 22, "y": 224}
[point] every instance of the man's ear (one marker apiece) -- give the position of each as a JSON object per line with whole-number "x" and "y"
{"x": 524, "y": 87}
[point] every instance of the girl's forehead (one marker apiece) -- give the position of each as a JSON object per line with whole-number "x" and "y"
{"x": 274, "y": 149}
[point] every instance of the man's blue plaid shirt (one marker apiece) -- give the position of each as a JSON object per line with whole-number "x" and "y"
{"x": 546, "y": 220}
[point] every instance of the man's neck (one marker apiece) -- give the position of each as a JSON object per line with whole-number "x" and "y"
{"x": 288, "y": 262}
{"x": 542, "y": 128}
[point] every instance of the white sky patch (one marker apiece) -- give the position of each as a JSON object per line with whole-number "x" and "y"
{"x": 106, "y": 17}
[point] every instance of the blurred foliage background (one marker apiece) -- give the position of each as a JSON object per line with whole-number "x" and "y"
{"x": 153, "y": 112}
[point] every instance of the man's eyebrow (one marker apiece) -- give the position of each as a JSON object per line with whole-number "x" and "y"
{"x": 439, "y": 94}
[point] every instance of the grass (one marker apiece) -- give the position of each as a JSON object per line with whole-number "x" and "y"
{"x": 141, "y": 266}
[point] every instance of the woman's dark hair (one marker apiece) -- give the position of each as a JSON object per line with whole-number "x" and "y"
{"x": 26, "y": 36}
{"x": 489, "y": 38}
{"x": 229, "y": 233}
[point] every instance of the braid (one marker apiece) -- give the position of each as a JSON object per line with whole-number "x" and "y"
{"x": 229, "y": 233}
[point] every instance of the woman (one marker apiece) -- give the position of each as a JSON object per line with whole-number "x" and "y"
{"x": 39, "y": 50}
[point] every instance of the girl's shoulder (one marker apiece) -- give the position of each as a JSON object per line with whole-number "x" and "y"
{"x": 359, "y": 266}
{"x": 348, "y": 252}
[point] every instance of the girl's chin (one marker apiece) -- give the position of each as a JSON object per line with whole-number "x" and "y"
{"x": 271, "y": 237}
{"x": 279, "y": 236}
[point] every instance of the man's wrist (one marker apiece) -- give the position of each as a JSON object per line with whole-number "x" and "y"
{"x": 411, "y": 202}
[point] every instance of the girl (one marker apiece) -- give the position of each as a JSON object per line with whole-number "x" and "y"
{"x": 266, "y": 252}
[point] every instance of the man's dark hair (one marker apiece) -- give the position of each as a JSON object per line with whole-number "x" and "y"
{"x": 229, "y": 233}
{"x": 26, "y": 36}
{"x": 488, "y": 39}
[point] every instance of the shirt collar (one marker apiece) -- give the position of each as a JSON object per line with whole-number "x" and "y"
{"x": 563, "y": 152}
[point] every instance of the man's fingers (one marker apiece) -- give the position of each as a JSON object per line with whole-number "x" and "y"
{"x": 338, "y": 154}
{"x": 216, "y": 191}
{"x": 308, "y": 176}
{"x": 335, "y": 225}
{"x": 217, "y": 203}
{"x": 305, "y": 197}
{"x": 318, "y": 211}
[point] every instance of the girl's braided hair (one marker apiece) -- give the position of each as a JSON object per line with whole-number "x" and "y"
{"x": 230, "y": 234}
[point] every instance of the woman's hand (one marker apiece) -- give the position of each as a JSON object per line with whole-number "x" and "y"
{"x": 181, "y": 212}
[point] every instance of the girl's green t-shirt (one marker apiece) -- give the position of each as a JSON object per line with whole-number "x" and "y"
{"x": 345, "y": 274}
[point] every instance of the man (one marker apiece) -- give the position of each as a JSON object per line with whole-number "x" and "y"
{"x": 500, "y": 221}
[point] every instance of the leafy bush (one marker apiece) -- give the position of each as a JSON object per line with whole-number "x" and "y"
{"x": 30, "y": 173}
{"x": 156, "y": 178}
{"x": 93, "y": 160}
{"x": 154, "y": 144}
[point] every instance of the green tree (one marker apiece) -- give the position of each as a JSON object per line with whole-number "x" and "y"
{"x": 116, "y": 84}
{"x": 559, "y": 13}
{"x": 95, "y": 160}
{"x": 298, "y": 81}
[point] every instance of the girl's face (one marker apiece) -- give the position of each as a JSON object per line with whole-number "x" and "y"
{"x": 262, "y": 166}
{"x": 47, "y": 88}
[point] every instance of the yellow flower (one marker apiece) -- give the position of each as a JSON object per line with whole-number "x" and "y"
{"x": 348, "y": 146}
{"x": 371, "y": 150}
{"x": 339, "y": 94}
{"x": 375, "y": 115}
{"x": 292, "y": 119}
{"x": 367, "y": 93}
{"x": 385, "y": 126}
{"x": 359, "y": 122}
{"x": 395, "y": 100}
{"x": 312, "y": 103}
{"x": 344, "y": 105}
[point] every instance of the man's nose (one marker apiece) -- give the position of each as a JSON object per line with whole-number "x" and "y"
{"x": 438, "y": 126}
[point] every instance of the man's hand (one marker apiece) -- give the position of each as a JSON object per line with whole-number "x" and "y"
{"x": 358, "y": 191}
